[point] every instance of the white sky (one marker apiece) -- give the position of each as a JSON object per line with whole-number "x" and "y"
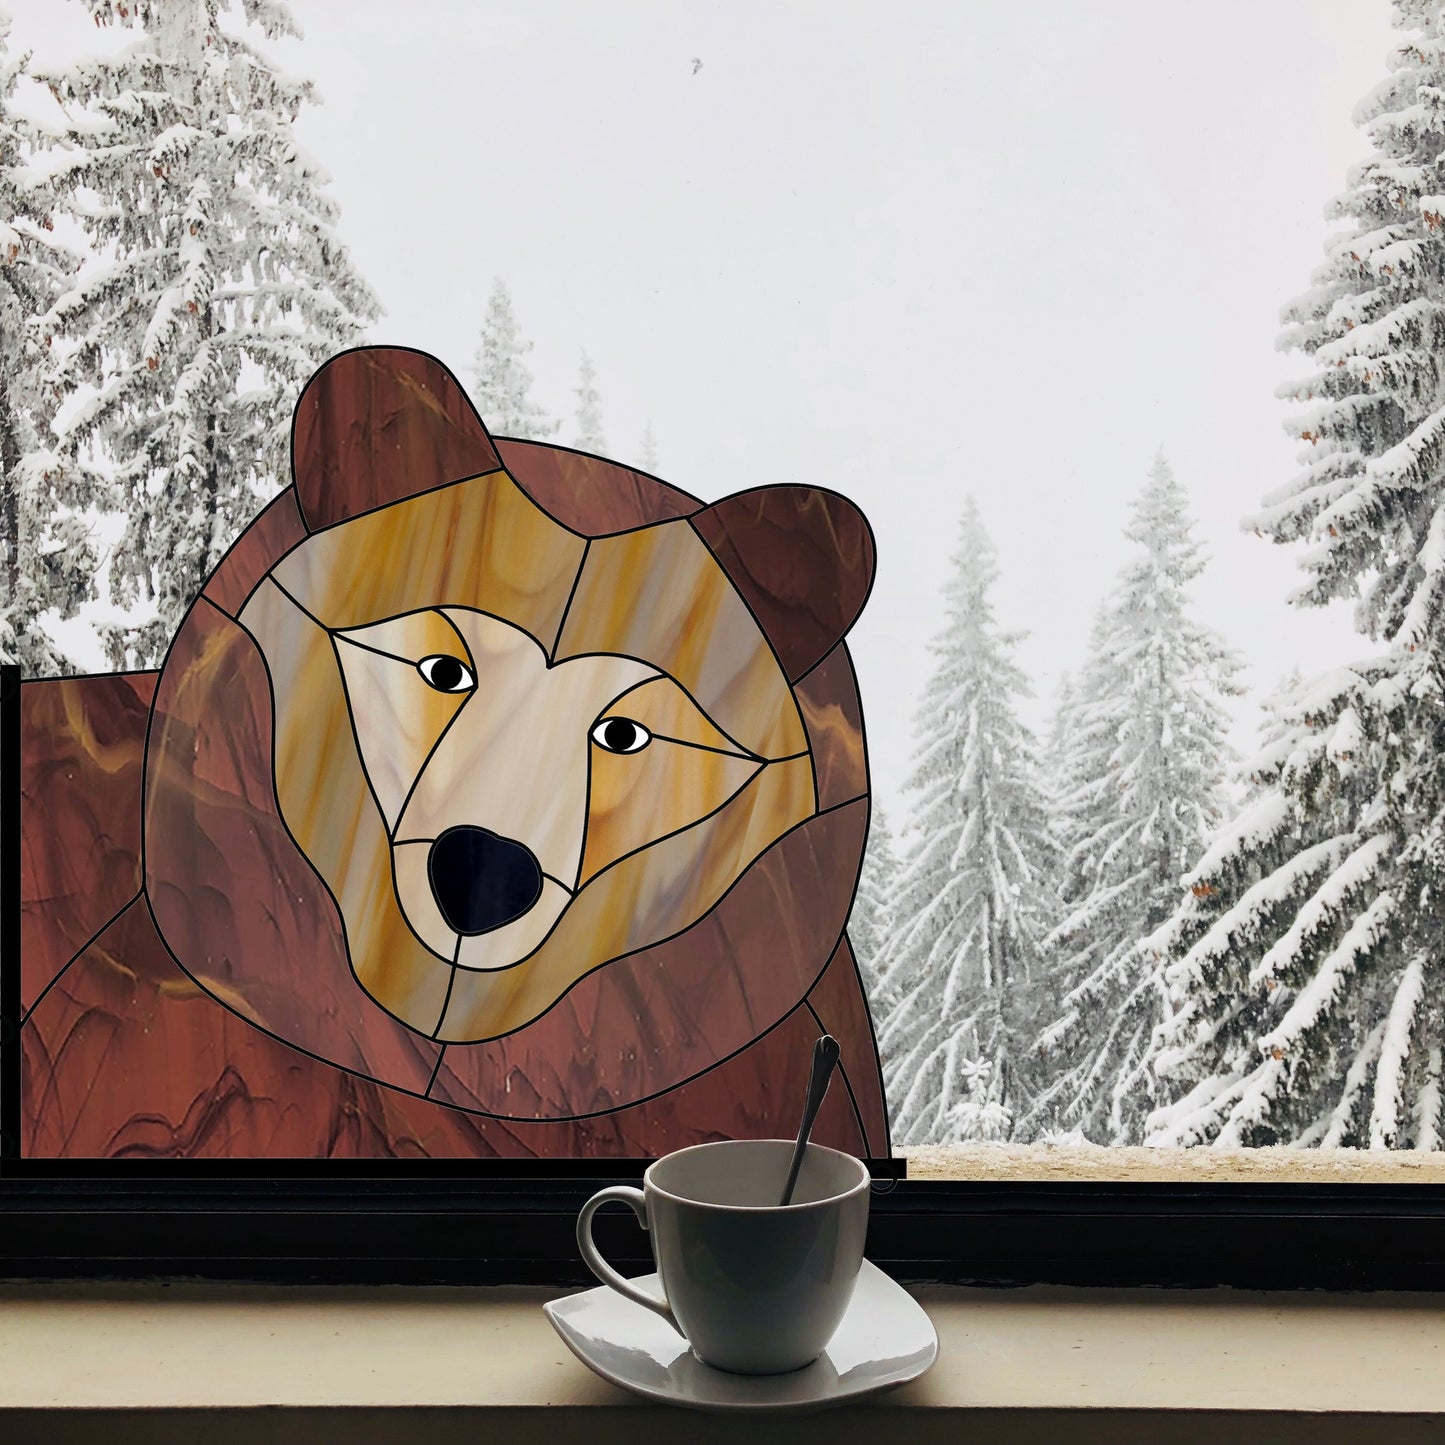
{"x": 908, "y": 251}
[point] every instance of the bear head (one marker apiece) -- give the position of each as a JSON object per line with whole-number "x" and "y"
{"x": 504, "y": 774}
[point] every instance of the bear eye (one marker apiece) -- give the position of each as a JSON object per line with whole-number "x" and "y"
{"x": 446, "y": 674}
{"x": 621, "y": 735}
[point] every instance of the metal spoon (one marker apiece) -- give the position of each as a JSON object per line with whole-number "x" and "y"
{"x": 825, "y": 1055}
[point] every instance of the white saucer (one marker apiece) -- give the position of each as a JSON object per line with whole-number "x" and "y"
{"x": 885, "y": 1339}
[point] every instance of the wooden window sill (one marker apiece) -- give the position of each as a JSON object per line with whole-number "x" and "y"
{"x": 187, "y": 1362}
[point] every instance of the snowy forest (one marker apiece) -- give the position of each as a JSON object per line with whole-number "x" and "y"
{"x": 1109, "y": 929}
{"x": 170, "y": 275}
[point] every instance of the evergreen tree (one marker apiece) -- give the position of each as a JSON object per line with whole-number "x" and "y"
{"x": 1309, "y": 951}
{"x": 1058, "y": 740}
{"x": 1276, "y": 734}
{"x": 590, "y": 437}
{"x": 46, "y": 558}
{"x": 219, "y": 286}
{"x": 503, "y": 388}
{"x": 870, "y": 922}
{"x": 1144, "y": 789}
{"x": 648, "y": 459}
{"x": 972, "y": 903}
{"x": 1081, "y": 745}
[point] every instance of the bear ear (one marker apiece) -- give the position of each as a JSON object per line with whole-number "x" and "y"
{"x": 802, "y": 558}
{"x": 378, "y": 424}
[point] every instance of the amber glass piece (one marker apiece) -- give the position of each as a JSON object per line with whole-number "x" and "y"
{"x": 634, "y": 800}
{"x": 659, "y": 595}
{"x": 483, "y": 544}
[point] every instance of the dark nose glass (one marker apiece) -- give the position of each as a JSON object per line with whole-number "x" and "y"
{"x": 481, "y": 881}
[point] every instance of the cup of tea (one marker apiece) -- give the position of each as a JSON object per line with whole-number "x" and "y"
{"x": 753, "y": 1286}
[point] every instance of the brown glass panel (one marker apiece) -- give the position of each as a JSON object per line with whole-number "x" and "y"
{"x": 82, "y": 741}
{"x": 756, "y": 1094}
{"x": 590, "y": 495}
{"x": 378, "y": 424}
{"x": 833, "y": 716}
{"x": 644, "y": 1023}
{"x": 131, "y": 1054}
{"x": 273, "y": 533}
{"x": 127, "y": 1058}
{"x": 802, "y": 558}
{"x": 237, "y": 903}
{"x": 839, "y": 1002}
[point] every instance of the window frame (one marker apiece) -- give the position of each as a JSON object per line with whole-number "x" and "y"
{"x": 514, "y": 1221}
{"x": 517, "y": 1225}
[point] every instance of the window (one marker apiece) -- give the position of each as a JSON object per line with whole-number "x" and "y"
{"x": 441, "y": 793}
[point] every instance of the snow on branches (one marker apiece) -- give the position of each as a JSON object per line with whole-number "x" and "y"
{"x": 1309, "y": 950}
{"x": 218, "y": 284}
{"x": 47, "y": 560}
{"x": 1140, "y": 787}
{"x": 970, "y": 903}
{"x": 872, "y": 916}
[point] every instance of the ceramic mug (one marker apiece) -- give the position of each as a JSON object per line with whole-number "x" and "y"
{"x": 754, "y": 1287}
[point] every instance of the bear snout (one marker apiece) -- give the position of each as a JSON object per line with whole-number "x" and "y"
{"x": 481, "y": 880}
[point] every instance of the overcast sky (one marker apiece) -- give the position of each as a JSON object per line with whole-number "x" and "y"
{"x": 909, "y": 251}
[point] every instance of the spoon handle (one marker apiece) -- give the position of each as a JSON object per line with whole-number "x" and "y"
{"x": 825, "y": 1055}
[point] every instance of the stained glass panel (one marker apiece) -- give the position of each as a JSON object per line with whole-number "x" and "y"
{"x": 492, "y": 800}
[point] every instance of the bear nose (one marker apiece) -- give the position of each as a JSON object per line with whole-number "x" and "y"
{"x": 480, "y": 880}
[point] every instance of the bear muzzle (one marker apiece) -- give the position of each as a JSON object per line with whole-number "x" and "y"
{"x": 481, "y": 880}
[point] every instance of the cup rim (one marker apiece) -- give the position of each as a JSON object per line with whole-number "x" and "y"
{"x": 864, "y": 1180}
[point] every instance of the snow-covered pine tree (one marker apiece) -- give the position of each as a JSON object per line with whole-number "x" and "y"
{"x": 46, "y": 558}
{"x": 870, "y": 922}
{"x": 648, "y": 457}
{"x": 1080, "y": 745}
{"x": 1144, "y": 790}
{"x": 503, "y": 388}
{"x": 972, "y": 902}
{"x": 1057, "y": 743}
{"x": 590, "y": 437}
{"x": 219, "y": 286}
{"x": 1269, "y": 927}
{"x": 1309, "y": 952}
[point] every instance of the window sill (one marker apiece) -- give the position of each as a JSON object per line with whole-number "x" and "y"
{"x": 187, "y": 1362}
{"x": 1077, "y": 1163}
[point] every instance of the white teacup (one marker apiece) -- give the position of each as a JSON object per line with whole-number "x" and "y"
{"x": 753, "y": 1287}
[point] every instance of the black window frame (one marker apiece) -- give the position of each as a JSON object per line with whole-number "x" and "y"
{"x": 513, "y": 1221}
{"x": 516, "y": 1225}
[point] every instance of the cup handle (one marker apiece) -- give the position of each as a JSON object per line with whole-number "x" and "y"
{"x": 623, "y": 1194}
